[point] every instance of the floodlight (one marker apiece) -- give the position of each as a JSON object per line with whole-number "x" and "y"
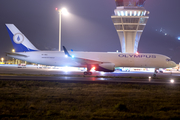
{"x": 64, "y": 11}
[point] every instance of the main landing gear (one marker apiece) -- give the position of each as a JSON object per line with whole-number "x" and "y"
{"x": 88, "y": 70}
{"x": 87, "y": 73}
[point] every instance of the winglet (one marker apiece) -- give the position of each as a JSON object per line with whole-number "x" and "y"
{"x": 66, "y": 52}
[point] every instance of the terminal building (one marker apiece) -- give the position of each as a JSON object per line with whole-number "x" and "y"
{"x": 130, "y": 20}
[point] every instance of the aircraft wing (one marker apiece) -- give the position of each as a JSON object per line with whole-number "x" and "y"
{"x": 81, "y": 60}
{"x": 86, "y": 61}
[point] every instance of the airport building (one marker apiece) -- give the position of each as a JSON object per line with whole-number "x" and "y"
{"x": 130, "y": 20}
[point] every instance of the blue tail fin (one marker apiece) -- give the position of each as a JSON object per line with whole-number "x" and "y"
{"x": 19, "y": 41}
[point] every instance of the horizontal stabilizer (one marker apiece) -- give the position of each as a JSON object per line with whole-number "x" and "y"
{"x": 16, "y": 54}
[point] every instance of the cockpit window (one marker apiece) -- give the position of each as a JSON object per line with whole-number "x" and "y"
{"x": 168, "y": 59}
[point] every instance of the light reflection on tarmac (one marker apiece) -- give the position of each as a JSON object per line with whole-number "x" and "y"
{"x": 77, "y": 76}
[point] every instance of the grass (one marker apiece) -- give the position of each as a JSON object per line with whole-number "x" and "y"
{"x": 54, "y": 100}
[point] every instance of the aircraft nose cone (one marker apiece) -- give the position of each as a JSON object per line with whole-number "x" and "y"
{"x": 173, "y": 64}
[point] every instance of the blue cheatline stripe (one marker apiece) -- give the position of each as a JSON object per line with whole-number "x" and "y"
{"x": 18, "y": 47}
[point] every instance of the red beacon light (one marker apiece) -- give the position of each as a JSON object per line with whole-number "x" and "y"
{"x": 137, "y": 53}
{"x": 56, "y": 9}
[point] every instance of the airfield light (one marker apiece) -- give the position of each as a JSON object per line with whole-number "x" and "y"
{"x": 149, "y": 78}
{"x": 2, "y": 59}
{"x": 66, "y": 69}
{"x": 64, "y": 12}
{"x": 102, "y": 73}
{"x": 178, "y": 38}
{"x": 13, "y": 50}
{"x": 102, "y": 79}
{"x": 172, "y": 81}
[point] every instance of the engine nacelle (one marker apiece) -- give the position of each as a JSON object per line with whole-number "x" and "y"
{"x": 105, "y": 67}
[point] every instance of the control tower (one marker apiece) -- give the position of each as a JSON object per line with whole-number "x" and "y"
{"x": 130, "y": 20}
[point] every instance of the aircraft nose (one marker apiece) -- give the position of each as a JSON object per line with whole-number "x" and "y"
{"x": 173, "y": 64}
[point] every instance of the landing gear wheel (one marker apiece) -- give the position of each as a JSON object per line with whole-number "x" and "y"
{"x": 154, "y": 75}
{"x": 87, "y": 73}
{"x": 155, "y": 72}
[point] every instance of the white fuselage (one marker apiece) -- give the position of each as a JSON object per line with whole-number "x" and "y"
{"x": 56, "y": 58}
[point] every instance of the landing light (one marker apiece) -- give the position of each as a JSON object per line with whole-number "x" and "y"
{"x": 93, "y": 69}
{"x": 72, "y": 56}
{"x": 66, "y": 56}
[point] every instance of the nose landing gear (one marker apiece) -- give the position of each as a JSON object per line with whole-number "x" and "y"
{"x": 155, "y": 72}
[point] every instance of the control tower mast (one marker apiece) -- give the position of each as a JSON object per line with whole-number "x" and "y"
{"x": 130, "y": 20}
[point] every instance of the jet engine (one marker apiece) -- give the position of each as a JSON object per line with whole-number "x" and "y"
{"x": 105, "y": 67}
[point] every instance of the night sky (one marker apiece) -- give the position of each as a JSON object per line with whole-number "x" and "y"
{"x": 89, "y": 27}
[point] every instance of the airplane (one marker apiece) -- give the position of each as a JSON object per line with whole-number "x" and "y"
{"x": 100, "y": 61}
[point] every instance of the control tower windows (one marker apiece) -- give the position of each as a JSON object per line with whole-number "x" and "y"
{"x": 116, "y": 20}
{"x": 130, "y": 20}
{"x": 141, "y": 27}
{"x": 139, "y": 3}
{"x": 135, "y": 13}
{"x": 130, "y": 27}
{"x": 129, "y": 3}
{"x": 118, "y": 27}
{"x": 119, "y": 2}
{"x": 143, "y": 20}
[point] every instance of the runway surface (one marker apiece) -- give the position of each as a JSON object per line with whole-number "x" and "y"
{"x": 53, "y": 74}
